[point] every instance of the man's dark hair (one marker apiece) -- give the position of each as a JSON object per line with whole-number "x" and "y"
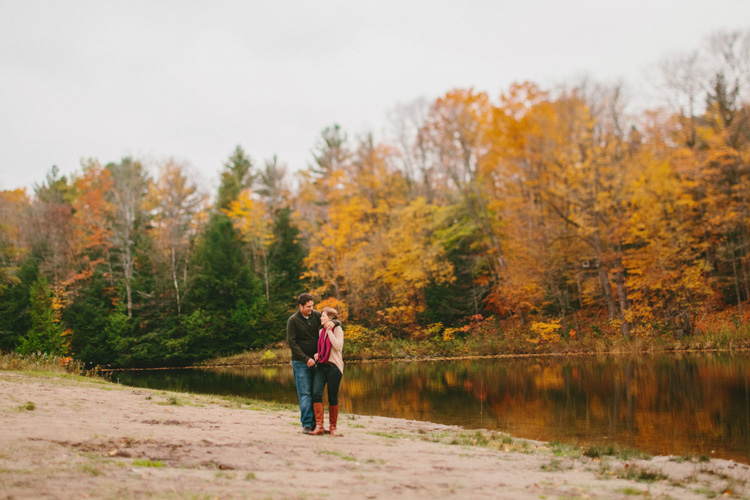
{"x": 304, "y": 299}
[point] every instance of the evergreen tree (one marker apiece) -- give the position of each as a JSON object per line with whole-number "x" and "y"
{"x": 237, "y": 175}
{"x": 93, "y": 341}
{"x": 286, "y": 256}
{"x": 226, "y": 299}
{"x": 15, "y": 306}
{"x": 46, "y": 331}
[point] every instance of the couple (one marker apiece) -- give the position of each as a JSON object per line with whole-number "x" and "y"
{"x": 317, "y": 361}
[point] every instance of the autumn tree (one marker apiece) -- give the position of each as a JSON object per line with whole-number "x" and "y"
{"x": 127, "y": 196}
{"x": 409, "y": 137}
{"x": 12, "y": 206}
{"x": 177, "y": 204}
{"x": 252, "y": 219}
{"x": 321, "y": 192}
{"x": 664, "y": 257}
{"x": 47, "y": 228}
{"x": 716, "y": 151}
{"x": 17, "y": 272}
{"x": 459, "y": 131}
{"x": 412, "y": 260}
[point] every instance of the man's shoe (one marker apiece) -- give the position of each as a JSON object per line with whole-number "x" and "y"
{"x": 306, "y": 429}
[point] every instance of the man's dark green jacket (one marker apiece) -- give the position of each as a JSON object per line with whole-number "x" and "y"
{"x": 302, "y": 335}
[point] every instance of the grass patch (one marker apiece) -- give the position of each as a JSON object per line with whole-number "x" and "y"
{"x": 249, "y": 476}
{"x": 623, "y": 453}
{"x": 388, "y": 435}
{"x": 555, "y": 466}
{"x": 690, "y": 458}
{"x": 91, "y": 470}
{"x": 336, "y": 454}
{"x": 29, "y": 406}
{"x": 5, "y": 470}
{"x": 243, "y": 403}
{"x": 708, "y": 493}
{"x": 148, "y": 463}
{"x": 486, "y": 439}
{"x": 632, "y": 491}
{"x": 171, "y": 401}
{"x": 565, "y": 449}
{"x": 641, "y": 475}
{"x": 228, "y": 401}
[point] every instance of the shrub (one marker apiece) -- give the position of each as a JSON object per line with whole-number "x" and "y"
{"x": 268, "y": 357}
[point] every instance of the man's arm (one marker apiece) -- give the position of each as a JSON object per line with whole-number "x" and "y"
{"x": 337, "y": 338}
{"x": 291, "y": 339}
{"x": 331, "y": 324}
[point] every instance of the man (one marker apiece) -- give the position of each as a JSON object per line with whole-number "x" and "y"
{"x": 302, "y": 336}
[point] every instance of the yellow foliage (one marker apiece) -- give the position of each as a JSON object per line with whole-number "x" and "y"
{"x": 333, "y": 302}
{"x": 548, "y": 332}
{"x": 251, "y": 218}
{"x": 356, "y": 333}
{"x": 450, "y": 334}
{"x": 268, "y": 357}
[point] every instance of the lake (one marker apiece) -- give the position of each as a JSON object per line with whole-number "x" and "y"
{"x": 677, "y": 404}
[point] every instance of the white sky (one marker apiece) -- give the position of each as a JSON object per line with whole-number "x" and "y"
{"x": 193, "y": 79}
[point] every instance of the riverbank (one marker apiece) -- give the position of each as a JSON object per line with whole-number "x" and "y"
{"x": 412, "y": 350}
{"x": 69, "y": 436}
{"x": 489, "y": 337}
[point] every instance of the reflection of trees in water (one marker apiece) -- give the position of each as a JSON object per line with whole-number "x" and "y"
{"x": 681, "y": 404}
{"x": 661, "y": 403}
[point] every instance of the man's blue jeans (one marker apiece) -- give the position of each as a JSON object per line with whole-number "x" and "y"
{"x": 303, "y": 379}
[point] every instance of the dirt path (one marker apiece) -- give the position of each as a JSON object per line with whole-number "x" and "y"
{"x": 63, "y": 437}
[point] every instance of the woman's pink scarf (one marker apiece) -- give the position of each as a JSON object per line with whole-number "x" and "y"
{"x": 324, "y": 346}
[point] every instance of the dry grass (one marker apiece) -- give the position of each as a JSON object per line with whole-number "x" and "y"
{"x": 41, "y": 362}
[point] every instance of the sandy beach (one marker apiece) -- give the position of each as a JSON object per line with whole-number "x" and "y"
{"x": 70, "y": 437}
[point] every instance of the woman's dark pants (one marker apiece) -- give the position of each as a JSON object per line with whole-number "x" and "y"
{"x": 326, "y": 374}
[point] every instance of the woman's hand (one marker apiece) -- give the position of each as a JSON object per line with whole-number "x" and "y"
{"x": 315, "y": 356}
{"x": 329, "y": 325}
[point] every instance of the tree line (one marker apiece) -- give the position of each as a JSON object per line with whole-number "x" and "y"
{"x": 540, "y": 209}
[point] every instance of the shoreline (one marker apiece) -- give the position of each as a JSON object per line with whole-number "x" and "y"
{"x": 73, "y": 436}
{"x": 436, "y": 358}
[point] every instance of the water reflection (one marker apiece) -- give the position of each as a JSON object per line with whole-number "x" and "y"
{"x": 668, "y": 404}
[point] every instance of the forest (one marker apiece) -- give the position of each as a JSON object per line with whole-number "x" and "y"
{"x": 551, "y": 215}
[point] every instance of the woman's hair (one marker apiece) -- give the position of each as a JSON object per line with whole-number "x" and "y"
{"x": 330, "y": 312}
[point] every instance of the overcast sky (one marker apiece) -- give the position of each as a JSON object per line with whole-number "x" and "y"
{"x": 193, "y": 79}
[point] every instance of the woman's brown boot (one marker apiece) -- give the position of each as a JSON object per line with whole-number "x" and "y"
{"x": 333, "y": 417}
{"x": 318, "y": 409}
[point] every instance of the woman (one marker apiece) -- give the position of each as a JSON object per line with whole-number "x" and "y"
{"x": 329, "y": 372}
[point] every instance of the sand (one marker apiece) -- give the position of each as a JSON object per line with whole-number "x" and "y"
{"x": 70, "y": 437}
